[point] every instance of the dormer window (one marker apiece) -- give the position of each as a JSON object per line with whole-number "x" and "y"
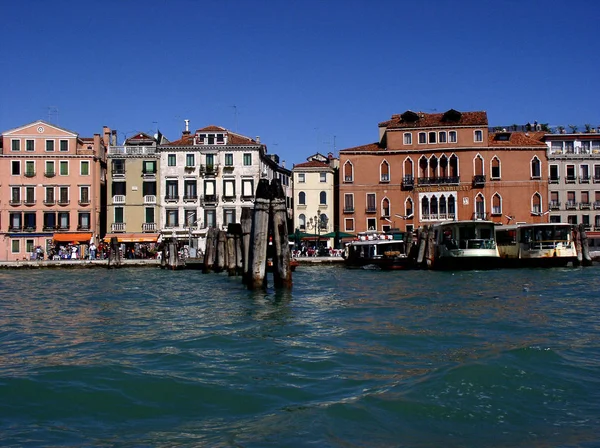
{"x": 211, "y": 139}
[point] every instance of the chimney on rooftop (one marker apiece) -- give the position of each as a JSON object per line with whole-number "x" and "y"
{"x": 187, "y": 128}
{"x": 258, "y": 139}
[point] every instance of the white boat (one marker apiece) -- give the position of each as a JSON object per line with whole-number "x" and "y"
{"x": 463, "y": 245}
{"x": 536, "y": 245}
{"x": 387, "y": 251}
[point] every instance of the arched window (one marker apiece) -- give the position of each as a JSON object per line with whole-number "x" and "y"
{"x": 433, "y": 208}
{"x": 408, "y": 167}
{"x": 452, "y": 137}
{"x": 442, "y": 137}
{"x": 432, "y": 137}
{"x": 385, "y": 207}
{"x": 422, "y": 137}
{"x": 443, "y": 167}
{"x": 302, "y": 198}
{"x": 323, "y": 221}
{"x": 348, "y": 172}
{"x": 454, "y": 167}
{"x": 536, "y": 203}
{"x": 384, "y": 171}
{"x": 480, "y": 207}
{"x": 425, "y": 208}
{"x": 323, "y": 198}
{"x": 423, "y": 166}
{"x": 496, "y": 204}
{"x": 433, "y": 164}
{"x": 536, "y": 168}
{"x": 451, "y": 207}
{"x": 302, "y": 222}
{"x": 443, "y": 206}
{"x": 408, "y": 207}
{"x": 495, "y": 168}
{"x": 478, "y": 165}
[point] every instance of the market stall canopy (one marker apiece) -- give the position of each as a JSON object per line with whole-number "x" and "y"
{"x": 301, "y": 235}
{"x": 338, "y": 235}
{"x": 72, "y": 237}
{"x": 132, "y": 237}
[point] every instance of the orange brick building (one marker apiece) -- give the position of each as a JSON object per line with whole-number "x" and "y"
{"x": 429, "y": 168}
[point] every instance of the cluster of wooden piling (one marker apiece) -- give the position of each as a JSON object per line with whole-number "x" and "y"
{"x": 114, "y": 254}
{"x": 246, "y": 247}
{"x": 582, "y": 247}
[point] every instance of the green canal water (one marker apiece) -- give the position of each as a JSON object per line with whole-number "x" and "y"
{"x": 349, "y": 358}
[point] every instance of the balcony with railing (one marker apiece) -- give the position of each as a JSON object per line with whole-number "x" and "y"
{"x": 117, "y": 227}
{"x": 408, "y": 182}
{"x": 83, "y": 227}
{"x": 370, "y": 209}
{"x": 554, "y": 205}
{"x": 348, "y": 179}
{"x": 571, "y": 179}
{"x": 585, "y": 179}
{"x": 49, "y": 173}
{"x": 118, "y": 172}
{"x": 148, "y": 174}
{"x": 15, "y": 228}
{"x": 149, "y": 227}
{"x": 478, "y": 181}
{"x": 385, "y": 178}
{"x": 210, "y": 199}
{"x": 444, "y": 180}
{"x": 29, "y": 173}
{"x": 190, "y": 197}
{"x": 171, "y": 197}
{"x": 250, "y": 197}
{"x": 229, "y": 198}
{"x": 130, "y": 150}
{"x": 570, "y": 205}
{"x": 84, "y": 201}
{"x": 597, "y": 205}
{"x": 597, "y": 178}
{"x": 481, "y": 216}
{"x": 348, "y": 208}
{"x": 554, "y": 180}
{"x": 29, "y": 201}
{"x": 119, "y": 199}
{"x": 150, "y": 199}
{"x": 209, "y": 170}
{"x": 63, "y": 201}
{"x": 585, "y": 205}
{"x": 15, "y": 201}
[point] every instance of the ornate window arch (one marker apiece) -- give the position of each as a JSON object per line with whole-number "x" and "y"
{"x": 495, "y": 168}
{"x": 384, "y": 171}
{"x": 478, "y": 165}
{"x": 348, "y": 171}
{"x": 323, "y": 198}
{"x": 480, "y": 206}
{"x": 302, "y": 221}
{"x": 536, "y": 203}
{"x": 496, "y": 204}
{"x": 385, "y": 207}
{"x": 302, "y": 198}
{"x": 536, "y": 168}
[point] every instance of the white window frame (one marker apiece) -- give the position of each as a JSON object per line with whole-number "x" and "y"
{"x": 389, "y": 171}
{"x": 440, "y": 137}
{"x": 479, "y": 195}
{"x": 373, "y": 220}
{"x": 434, "y": 135}
{"x": 349, "y": 229}
{"x": 12, "y": 142}
{"x": 30, "y": 140}
{"x": 53, "y": 145}
{"x": 424, "y": 135}
{"x": 493, "y": 212}
{"x": 351, "y": 177}
{"x": 322, "y": 177}
{"x": 301, "y": 178}
{"x": 535, "y": 157}
{"x": 344, "y": 205}
{"x": 60, "y": 145}
{"x": 478, "y": 136}
{"x": 28, "y": 162}
{"x": 407, "y": 138}
{"x": 492, "y": 168}
{"x": 12, "y": 246}
{"x": 12, "y": 173}
{"x": 537, "y": 193}
{"x": 452, "y": 137}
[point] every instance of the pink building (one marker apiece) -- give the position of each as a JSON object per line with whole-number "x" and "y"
{"x": 51, "y": 189}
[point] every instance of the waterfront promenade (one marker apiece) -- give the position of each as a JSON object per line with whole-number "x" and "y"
{"x": 152, "y": 262}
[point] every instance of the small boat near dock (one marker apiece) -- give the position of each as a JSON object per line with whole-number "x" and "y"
{"x": 536, "y": 245}
{"x": 387, "y": 251}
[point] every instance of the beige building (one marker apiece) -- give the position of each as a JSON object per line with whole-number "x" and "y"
{"x": 133, "y": 189}
{"x": 315, "y": 198}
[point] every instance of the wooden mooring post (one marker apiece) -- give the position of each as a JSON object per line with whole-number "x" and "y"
{"x": 282, "y": 272}
{"x": 259, "y": 237}
{"x": 114, "y": 256}
{"x": 221, "y": 251}
{"x": 210, "y": 250}
{"x": 246, "y": 223}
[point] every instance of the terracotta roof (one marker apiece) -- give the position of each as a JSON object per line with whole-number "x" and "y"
{"x": 369, "y": 147}
{"x": 312, "y": 164}
{"x": 237, "y": 139}
{"x": 186, "y": 140}
{"x": 212, "y": 128}
{"x": 410, "y": 119}
{"x": 140, "y": 136}
{"x": 516, "y": 139}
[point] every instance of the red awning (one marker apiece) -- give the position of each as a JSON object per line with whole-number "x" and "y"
{"x": 132, "y": 237}
{"x": 74, "y": 237}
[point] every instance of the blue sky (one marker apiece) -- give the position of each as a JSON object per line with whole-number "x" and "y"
{"x": 303, "y": 75}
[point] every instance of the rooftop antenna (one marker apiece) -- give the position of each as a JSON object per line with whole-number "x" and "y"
{"x": 53, "y": 114}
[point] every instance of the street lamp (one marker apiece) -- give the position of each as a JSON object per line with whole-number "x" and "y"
{"x": 318, "y": 222}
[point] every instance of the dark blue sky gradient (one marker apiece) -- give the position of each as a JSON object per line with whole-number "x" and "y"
{"x": 298, "y": 72}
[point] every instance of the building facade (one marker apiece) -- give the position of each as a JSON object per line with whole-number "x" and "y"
{"x": 574, "y": 178}
{"x": 52, "y": 190}
{"x": 133, "y": 207}
{"x": 315, "y": 197}
{"x": 429, "y": 168}
{"x": 208, "y": 177}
